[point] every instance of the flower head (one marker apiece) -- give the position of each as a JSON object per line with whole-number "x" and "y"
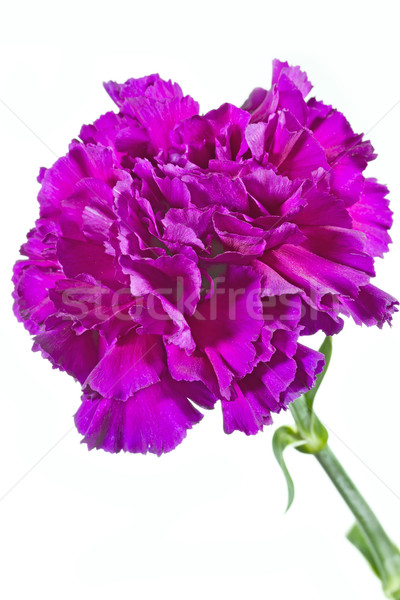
{"x": 178, "y": 258}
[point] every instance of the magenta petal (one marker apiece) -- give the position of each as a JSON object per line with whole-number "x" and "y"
{"x": 78, "y": 257}
{"x": 81, "y": 161}
{"x": 225, "y": 326}
{"x": 153, "y": 420}
{"x": 316, "y": 275}
{"x": 246, "y": 413}
{"x": 309, "y": 364}
{"x": 372, "y": 307}
{"x": 334, "y": 134}
{"x": 77, "y": 354}
{"x": 103, "y": 131}
{"x": 269, "y": 189}
{"x": 215, "y": 188}
{"x": 175, "y": 281}
{"x": 239, "y": 236}
{"x": 269, "y": 389}
{"x": 156, "y": 105}
{"x": 372, "y": 215}
{"x": 258, "y": 394}
{"x": 187, "y": 227}
{"x": 134, "y": 362}
{"x": 32, "y": 287}
{"x": 88, "y": 212}
{"x": 302, "y": 153}
{"x": 295, "y": 74}
{"x": 191, "y": 368}
{"x": 343, "y": 246}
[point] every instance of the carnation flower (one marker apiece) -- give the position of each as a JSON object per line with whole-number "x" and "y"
{"x": 178, "y": 258}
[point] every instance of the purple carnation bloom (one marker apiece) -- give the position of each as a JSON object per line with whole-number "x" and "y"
{"x": 178, "y": 258}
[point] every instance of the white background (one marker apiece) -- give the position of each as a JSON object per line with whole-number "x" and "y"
{"x": 208, "y": 519}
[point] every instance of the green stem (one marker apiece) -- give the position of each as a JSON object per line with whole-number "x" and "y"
{"x": 368, "y": 535}
{"x": 385, "y": 553}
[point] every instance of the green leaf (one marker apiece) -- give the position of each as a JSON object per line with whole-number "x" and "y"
{"x": 357, "y": 538}
{"x": 326, "y": 350}
{"x": 390, "y": 580}
{"x": 284, "y": 437}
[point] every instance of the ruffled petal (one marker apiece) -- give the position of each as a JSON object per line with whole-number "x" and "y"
{"x": 372, "y": 215}
{"x": 132, "y": 363}
{"x": 156, "y": 105}
{"x": 154, "y": 420}
{"x": 372, "y": 307}
{"x": 59, "y": 181}
{"x": 225, "y": 326}
{"x": 269, "y": 389}
{"x": 32, "y": 304}
{"x": 77, "y": 354}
